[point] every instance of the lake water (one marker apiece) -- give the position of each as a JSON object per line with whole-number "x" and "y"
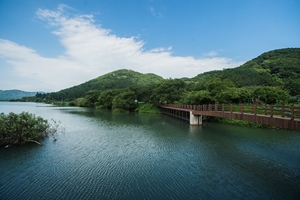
{"x": 101, "y": 155}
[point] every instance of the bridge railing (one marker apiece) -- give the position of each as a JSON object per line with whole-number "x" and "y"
{"x": 283, "y": 111}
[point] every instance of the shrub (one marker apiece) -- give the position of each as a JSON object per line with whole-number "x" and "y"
{"x": 22, "y": 128}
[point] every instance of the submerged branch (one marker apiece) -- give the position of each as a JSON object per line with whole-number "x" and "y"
{"x": 35, "y": 142}
{"x": 52, "y": 136}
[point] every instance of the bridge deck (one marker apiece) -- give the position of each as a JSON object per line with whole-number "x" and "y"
{"x": 282, "y": 118}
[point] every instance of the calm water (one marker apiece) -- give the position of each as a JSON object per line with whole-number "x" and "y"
{"x": 138, "y": 156}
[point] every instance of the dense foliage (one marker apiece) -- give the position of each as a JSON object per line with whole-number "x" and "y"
{"x": 272, "y": 78}
{"x": 22, "y": 128}
{"x": 275, "y": 68}
{"x": 119, "y": 79}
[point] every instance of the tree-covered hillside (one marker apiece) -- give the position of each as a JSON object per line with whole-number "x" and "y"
{"x": 119, "y": 79}
{"x": 272, "y": 78}
{"x": 274, "y": 68}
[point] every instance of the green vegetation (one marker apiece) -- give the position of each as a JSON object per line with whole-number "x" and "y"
{"x": 271, "y": 78}
{"x": 125, "y": 101}
{"x": 120, "y": 79}
{"x": 148, "y": 108}
{"x": 168, "y": 91}
{"x": 236, "y": 122}
{"x": 23, "y": 128}
{"x": 278, "y": 68}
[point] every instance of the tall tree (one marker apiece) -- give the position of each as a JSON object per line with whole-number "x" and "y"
{"x": 125, "y": 101}
{"x": 168, "y": 91}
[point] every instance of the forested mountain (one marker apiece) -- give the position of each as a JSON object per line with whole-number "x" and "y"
{"x": 272, "y": 78}
{"x": 119, "y": 79}
{"x": 274, "y": 68}
{"x": 14, "y": 94}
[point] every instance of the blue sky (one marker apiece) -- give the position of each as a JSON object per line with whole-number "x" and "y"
{"x": 53, "y": 45}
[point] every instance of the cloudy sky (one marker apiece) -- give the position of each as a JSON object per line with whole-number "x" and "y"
{"x": 52, "y": 45}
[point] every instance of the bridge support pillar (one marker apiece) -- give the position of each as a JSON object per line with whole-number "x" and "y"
{"x": 195, "y": 119}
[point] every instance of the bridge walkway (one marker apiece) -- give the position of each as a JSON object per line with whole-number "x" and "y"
{"x": 281, "y": 116}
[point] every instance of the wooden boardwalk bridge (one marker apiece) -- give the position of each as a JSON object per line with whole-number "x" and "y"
{"x": 285, "y": 117}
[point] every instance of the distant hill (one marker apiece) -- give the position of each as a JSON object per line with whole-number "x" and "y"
{"x": 279, "y": 67}
{"x": 118, "y": 79}
{"x": 15, "y": 94}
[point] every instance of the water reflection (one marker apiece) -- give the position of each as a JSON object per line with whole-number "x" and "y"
{"x": 104, "y": 155}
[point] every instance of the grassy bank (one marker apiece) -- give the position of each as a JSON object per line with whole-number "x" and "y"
{"x": 236, "y": 122}
{"x": 148, "y": 108}
{"x": 59, "y": 103}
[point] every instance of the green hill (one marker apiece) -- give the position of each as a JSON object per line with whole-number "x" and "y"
{"x": 14, "y": 94}
{"x": 119, "y": 79}
{"x": 274, "y": 68}
{"x": 273, "y": 77}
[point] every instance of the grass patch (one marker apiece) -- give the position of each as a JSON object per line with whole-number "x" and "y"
{"x": 148, "y": 108}
{"x": 59, "y": 103}
{"x": 236, "y": 122}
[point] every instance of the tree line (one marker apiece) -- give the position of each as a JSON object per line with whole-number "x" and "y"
{"x": 177, "y": 91}
{"x": 271, "y": 78}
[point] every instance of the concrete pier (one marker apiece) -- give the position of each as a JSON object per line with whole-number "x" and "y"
{"x": 195, "y": 119}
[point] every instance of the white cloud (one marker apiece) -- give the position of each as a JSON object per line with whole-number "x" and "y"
{"x": 211, "y": 54}
{"x": 154, "y": 13}
{"x": 91, "y": 51}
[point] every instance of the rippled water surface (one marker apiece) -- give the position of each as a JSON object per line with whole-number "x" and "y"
{"x": 101, "y": 155}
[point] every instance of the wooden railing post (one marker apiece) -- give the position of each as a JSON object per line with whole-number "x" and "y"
{"x": 242, "y": 108}
{"x": 231, "y": 108}
{"x": 222, "y": 107}
{"x": 282, "y": 111}
{"x": 292, "y": 112}
{"x": 216, "y": 107}
{"x": 266, "y": 109}
{"x": 271, "y": 110}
